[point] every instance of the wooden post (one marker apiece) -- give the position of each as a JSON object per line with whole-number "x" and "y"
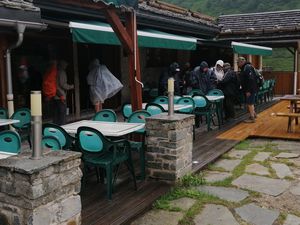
{"x": 235, "y": 65}
{"x": 295, "y": 70}
{"x": 260, "y": 63}
{"x": 134, "y": 64}
{"x": 249, "y": 58}
{"x": 76, "y": 81}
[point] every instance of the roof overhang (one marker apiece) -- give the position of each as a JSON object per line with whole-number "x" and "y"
{"x": 249, "y": 49}
{"x": 102, "y": 33}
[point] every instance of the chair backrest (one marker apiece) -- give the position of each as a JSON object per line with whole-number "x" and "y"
{"x": 195, "y": 92}
{"x": 3, "y": 113}
{"x": 201, "y": 102}
{"x": 126, "y": 110}
{"x": 176, "y": 97}
{"x": 91, "y": 140}
{"x": 154, "y": 108}
{"x": 24, "y": 116}
{"x": 10, "y": 141}
{"x": 139, "y": 117}
{"x": 58, "y": 132}
{"x": 186, "y": 101}
{"x": 51, "y": 142}
{"x": 161, "y": 100}
{"x": 106, "y": 115}
{"x": 215, "y": 92}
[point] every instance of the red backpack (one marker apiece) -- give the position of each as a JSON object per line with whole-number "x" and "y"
{"x": 49, "y": 82}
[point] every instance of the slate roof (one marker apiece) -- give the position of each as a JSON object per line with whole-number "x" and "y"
{"x": 260, "y": 24}
{"x": 25, "y": 5}
{"x": 170, "y": 10}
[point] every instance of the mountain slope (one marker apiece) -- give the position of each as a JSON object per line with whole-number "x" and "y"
{"x": 222, "y": 7}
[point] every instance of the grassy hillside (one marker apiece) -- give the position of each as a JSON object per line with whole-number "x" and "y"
{"x": 282, "y": 59}
{"x": 221, "y": 7}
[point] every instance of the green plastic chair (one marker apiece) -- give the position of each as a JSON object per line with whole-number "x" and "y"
{"x": 107, "y": 115}
{"x": 126, "y": 110}
{"x": 161, "y": 100}
{"x": 195, "y": 92}
{"x": 24, "y": 126}
{"x": 3, "y": 113}
{"x": 202, "y": 108}
{"x": 186, "y": 101}
{"x": 154, "y": 109}
{"x": 218, "y": 104}
{"x": 66, "y": 141}
{"x": 10, "y": 141}
{"x": 100, "y": 152}
{"x": 51, "y": 142}
{"x": 139, "y": 146}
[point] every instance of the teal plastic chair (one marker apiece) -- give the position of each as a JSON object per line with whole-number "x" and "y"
{"x": 100, "y": 152}
{"x": 219, "y": 104}
{"x": 202, "y": 108}
{"x": 66, "y": 141}
{"x": 126, "y": 110}
{"x": 107, "y": 115}
{"x": 3, "y": 113}
{"x": 161, "y": 100}
{"x": 195, "y": 92}
{"x": 51, "y": 142}
{"x": 10, "y": 141}
{"x": 176, "y": 97}
{"x": 24, "y": 126}
{"x": 139, "y": 146}
{"x": 186, "y": 101}
{"x": 154, "y": 109}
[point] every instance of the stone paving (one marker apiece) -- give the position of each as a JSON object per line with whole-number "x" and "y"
{"x": 256, "y": 183}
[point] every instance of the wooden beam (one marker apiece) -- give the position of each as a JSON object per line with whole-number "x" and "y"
{"x": 76, "y": 81}
{"x": 119, "y": 29}
{"x": 134, "y": 64}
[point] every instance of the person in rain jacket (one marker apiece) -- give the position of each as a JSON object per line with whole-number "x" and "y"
{"x": 103, "y": 84}
{"x": 203, "y": 78}
{"x": 173, "y": 71}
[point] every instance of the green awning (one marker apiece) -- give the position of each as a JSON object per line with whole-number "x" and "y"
{"x": 247, "y": 49}
{"x": 119, "y": 3}
{"x": 102, "y": 33}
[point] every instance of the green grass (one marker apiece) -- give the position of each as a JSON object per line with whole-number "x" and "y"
{"x": 242, "y": 145}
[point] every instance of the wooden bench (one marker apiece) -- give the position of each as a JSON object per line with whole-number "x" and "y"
{"x": 290, "y": 116}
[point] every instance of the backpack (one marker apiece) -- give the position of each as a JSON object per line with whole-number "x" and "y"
{"x": 49, "y": 82}
{"x": 259, "y": 78}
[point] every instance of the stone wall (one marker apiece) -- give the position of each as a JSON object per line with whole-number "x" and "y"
{"x": 169, "y": 146}
{"x": 41, "y": 192}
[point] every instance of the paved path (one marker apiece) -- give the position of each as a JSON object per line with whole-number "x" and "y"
{"x": 257, "y": 182}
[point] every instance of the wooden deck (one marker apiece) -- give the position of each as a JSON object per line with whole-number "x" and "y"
{"x": 266, "y": 126}
{"x": 208, "y": 146}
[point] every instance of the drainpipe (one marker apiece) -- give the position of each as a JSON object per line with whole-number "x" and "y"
{"x": 10, "y": 97}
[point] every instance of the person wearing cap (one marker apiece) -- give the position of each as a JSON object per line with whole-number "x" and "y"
{"x": 203, "y": 78}
{"x": 62, "y": 86}
{"x": 218, "y": 70}
{"x": 249, "y": 86}
{"x": 173, "y": 71}
{"x": 230, "y": 87}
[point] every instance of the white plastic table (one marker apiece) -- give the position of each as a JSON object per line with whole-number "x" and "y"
{"x": 166, "y": 106}
{"x": 113, "y": 129}
{"x": 4, "y": 155}
{"x": 213, "y": 98}
{"x": 4, "y": 122}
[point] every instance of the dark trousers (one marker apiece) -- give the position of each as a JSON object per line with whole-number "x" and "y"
{"x": 59, "y": 112}
{"x": 229, "y": 107}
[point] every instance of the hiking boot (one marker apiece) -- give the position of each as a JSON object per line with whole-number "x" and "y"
{"x": 250, "y": 120}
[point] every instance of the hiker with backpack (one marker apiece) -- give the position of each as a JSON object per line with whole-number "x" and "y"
{"x": 249, "y": 86}
{"x": 62, "y": 86}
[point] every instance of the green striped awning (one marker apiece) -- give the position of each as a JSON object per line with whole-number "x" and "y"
{"x": 102, "y": 33}
{"x": 247, "y": 49}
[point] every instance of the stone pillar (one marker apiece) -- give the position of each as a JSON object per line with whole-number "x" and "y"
{"x": 169, "y": 146}
{"x": 41, "y": 192}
